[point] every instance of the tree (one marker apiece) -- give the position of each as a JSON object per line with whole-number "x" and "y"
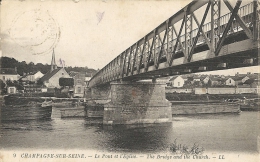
{"x": 25, "y": 68}
{"x": 2, "y": 84}
{"x": 7, "y": 62}
{"x": 9, "y": 83}
{"x": 14, "y": 84}
{"x": 2, "y": 87}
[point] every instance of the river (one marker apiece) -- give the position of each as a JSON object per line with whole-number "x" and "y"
{"x": 213, "y": 132}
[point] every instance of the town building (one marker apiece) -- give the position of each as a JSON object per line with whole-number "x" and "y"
{"x": 31, "y": 77}
{"x": 9, "y": 74}
{"x": 238, "y": 79}
{"x": 11, "y": 89}
{"x": 196, "y": 78}
{"x": 205, "y": 79}
{"x": 51, "y": 79}
{"x": 35, "y": 76}
{"x": 216, "y": 81}
{"x": 230, "y": 81}
{"x": 254, "y": 76}
{"x": 184, "y": 77}
{"x": 87, "y": 78}
{"x": 81, "y": 80}
{"x": 79, "y": 85}
{"x": 24, "y": 79}
{"x": 177, "y": 81}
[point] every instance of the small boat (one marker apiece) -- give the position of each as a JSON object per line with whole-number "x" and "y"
{"x": 250, "y": 104}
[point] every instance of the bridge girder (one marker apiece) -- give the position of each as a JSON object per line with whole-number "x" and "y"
{"x": 167, "y": 44}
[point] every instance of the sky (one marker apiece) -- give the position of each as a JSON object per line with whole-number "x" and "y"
{"x": 81, "y": 32}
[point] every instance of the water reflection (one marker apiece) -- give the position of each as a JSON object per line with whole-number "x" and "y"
{"x": 136, "y": 138}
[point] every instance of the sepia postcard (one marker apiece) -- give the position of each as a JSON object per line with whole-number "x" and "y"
{"x": 136, "y": 80}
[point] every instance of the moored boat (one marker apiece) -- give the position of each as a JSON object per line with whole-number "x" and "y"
{"x": 198, "y": 107}
{"x": 30, "y": 111}
{"x": 250, "y": 104}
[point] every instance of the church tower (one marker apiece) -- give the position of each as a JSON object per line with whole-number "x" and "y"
{"x": 53, "y": 62}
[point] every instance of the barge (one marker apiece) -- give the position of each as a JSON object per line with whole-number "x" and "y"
{"x": 199, "y": 107}
{"x": 39, "y": 111}
{"x": 250, "y": 104}
{"x": 18, "y": 109}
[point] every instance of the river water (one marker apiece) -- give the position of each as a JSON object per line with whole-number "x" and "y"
{"x": 215, "y": 132}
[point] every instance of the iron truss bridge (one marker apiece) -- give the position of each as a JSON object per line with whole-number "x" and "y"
{"x": 183, "y": 44}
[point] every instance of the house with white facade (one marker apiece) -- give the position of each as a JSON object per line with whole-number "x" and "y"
{"x": 230, "y": 81}
{"x": 11, "y": 89}
{"x": 177, "y": 81}
{"x": 35, "y": 76}
{"x": 51, "y": 79}
{"x": 79, "y": 84}
{"x": 32, "y": 77}
{"x": 9, "y": 74}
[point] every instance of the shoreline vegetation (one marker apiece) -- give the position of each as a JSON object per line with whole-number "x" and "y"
{"x": 177, "y": 148}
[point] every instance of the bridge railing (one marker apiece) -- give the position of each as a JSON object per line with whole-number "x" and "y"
{"x": 246, "y": 14}
{"x": 144, "y": 52}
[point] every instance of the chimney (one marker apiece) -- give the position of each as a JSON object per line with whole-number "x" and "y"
{"x": 15, "y": 69}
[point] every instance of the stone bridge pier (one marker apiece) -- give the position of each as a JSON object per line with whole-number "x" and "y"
{"x": 99, "y": 93}
{"x": 135, "y": 103}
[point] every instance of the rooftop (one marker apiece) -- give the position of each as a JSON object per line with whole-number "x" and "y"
{"x": 48, "y": 75}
